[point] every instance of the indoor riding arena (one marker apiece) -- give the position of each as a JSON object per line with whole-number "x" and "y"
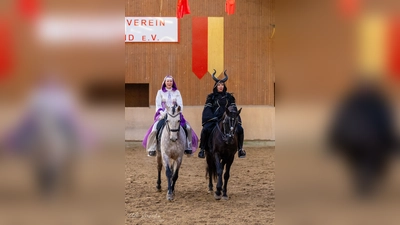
{"x": 232, "y": 36}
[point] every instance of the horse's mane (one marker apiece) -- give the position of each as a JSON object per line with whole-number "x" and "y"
{"x": 173, "y": 109}
{"x": 231, "y": 109}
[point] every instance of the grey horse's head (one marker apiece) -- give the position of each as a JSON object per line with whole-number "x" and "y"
{"x": 173, "y": 122}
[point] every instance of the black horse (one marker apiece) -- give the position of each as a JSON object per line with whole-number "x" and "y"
{"x": 222, "y": 148}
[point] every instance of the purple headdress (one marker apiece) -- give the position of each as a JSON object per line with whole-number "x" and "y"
{"x": 163, "y": 86}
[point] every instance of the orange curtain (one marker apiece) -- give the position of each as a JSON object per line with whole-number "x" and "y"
{"x": 230, "y": 7}
{"x": 28, "y": 9}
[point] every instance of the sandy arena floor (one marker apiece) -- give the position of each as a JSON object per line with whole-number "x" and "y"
{"x": 251, "y": 190}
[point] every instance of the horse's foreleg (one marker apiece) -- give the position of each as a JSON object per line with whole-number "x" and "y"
{"x": 176, "y": 166}
{"x": 217, "y": 194}
{"x": 168, "y": 173}
{"x": 210, "y": 169}
{"x": 174, "y": 178}
{"x": 210, "y": 178}
{"x": 159, "y": 167}
{"x": 226, "y": 178}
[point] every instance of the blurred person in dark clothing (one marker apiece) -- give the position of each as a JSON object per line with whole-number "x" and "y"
{"x": 363, "y": 133}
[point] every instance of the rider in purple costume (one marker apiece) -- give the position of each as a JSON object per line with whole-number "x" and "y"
{"x": 168, "y": 95}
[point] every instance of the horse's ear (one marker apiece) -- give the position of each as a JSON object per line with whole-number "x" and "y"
{"x": 239, "y": 111}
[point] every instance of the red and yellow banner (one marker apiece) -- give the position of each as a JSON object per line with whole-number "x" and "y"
{"x": 379, "y": 45}
{"x": 207, "y": 45}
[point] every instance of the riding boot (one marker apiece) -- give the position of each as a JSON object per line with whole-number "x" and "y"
{"x": 203, "y": 142}
{"x": 201, "y": 153}
{"x": 241, "y": 152}
{"x": 188, "y": 150}
{"x": 152, "y": 141}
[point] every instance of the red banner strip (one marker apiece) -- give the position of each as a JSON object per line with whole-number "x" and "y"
{"x": 393, "y": 47}
{"x": 6, "y": 49}
{"x": 199, "y": 46}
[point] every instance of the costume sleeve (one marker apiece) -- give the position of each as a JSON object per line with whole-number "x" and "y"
{"x": 208, "y": 114}
{"x": 179, "y": 99}
{"x": 159, "y": 100}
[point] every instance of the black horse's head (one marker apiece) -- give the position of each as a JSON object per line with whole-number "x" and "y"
{"x": 229, "y": 123}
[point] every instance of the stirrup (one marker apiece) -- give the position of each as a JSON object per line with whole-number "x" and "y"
{"x": 201, "y": 153}
{"x": 188, "y": 152}
{"x": 241, "y": 153}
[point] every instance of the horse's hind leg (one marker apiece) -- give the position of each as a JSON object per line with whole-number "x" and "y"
{"x": 159, "y": 167}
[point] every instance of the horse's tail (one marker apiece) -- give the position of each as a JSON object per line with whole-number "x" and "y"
{"x": 211, "y": 167}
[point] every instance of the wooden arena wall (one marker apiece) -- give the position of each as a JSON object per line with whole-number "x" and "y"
{"x": 248, "y": 59}
{"x": 248, "y": 52}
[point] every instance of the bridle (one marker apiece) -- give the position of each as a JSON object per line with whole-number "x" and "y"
{"x": 228, "y": 126}
{"x": 167, "y": 122}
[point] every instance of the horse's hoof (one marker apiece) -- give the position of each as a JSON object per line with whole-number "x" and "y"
{"x": 225, "y": 197}
{"x": 170, "y": 197}
{"x": 217, "y": 197}
{"x": 210, "y": 191}
{"x": 151, "y": 153}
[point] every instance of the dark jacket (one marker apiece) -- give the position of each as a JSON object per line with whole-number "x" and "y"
{"x": 364, "y": 121}
{"x": 215, "y": 106}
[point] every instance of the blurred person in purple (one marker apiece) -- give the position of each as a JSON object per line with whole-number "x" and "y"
{"x": 168, "y": 95}
{"x": 363, "y": 133}
{"x": 49, "y": 133}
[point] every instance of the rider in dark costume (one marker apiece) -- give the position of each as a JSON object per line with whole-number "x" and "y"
{"x": 213, "y": 111}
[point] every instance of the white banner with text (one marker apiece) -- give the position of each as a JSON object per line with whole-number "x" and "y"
{"x": 151, "y": 29}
